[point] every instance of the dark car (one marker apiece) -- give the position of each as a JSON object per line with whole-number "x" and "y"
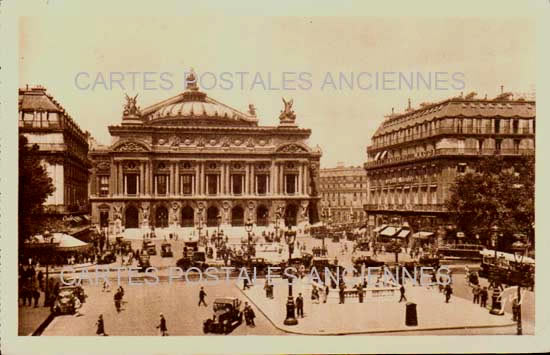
{"x": 144, "y": 262}
{"x": 227, "y": 315}
{"x": 166, "y": 250}
{"x": 366, "y": 261}
{"x": 107, "y": 257}
{"x": 66, "y": 299}
{"x": 149, "y": 247}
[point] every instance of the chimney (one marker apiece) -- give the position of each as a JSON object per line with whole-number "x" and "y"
{"x": 501, "y": 89}
{"x": 409, "y": 107}
{"x": 392, "y": 111}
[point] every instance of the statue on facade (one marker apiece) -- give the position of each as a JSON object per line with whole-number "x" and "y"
{"x": 131, "y": 108}
{"x": 314, "y": 174}
{"x": 287, "y": 114}
{"x": 252, "y": 110}
{"x": 145, "y": 212}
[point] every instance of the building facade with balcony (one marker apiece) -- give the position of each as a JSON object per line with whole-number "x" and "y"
{"x": 344, "y": 191}
{"x": 191, "y": 158}
{"x": 63, "y": 149}
{"x": 415, "y": 156}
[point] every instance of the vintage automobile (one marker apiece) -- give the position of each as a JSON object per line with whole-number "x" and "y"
{"x": 65, "y": 302}
{"x": 227, "y": 315}
{"x": 193, "y": 259}
{"x": 504, "y": 270}
{"x": 107, "y": 257}
{"x": 149, "y": 247}
{"x": 366, "y": 261}
{"x": 166, "y": 250}
{"x": 144, "y": 262}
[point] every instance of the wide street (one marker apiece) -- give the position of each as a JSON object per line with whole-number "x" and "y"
{"x": 178, "y": 301}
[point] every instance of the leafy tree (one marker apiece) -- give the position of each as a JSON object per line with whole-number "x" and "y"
{"x": 34, "y": 188}
{"x": 498, "y": 193}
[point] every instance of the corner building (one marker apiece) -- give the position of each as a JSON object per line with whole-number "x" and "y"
{"x": 192, "y": 158}
{"x": 416, "y": 156}
{"x": 63, "y": 150}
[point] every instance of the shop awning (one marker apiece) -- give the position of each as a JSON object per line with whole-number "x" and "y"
{"x": 379, "y": 228}
{"x": 86, "y": 217}
{"x": 389, "y": 232}
{"x": 77, "y": 219}
{"x": 422, "y": 235}
{"x": 403, "y": 233}
{"x": 506, "y": 256}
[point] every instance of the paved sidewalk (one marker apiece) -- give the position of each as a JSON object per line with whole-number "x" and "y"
{"x": 30, "y": 319}
{"x": 373, "y": 316}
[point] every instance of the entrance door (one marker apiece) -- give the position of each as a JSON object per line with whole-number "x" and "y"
{"x": 162, "y": 217}
{"x": 104, "y": 219}
{"x": 291, "y": 213}
{"x": 187, "y": 217}
{"x": 262, "y": 215}
{"x": 212, "y": 216}
{"x": 237, "y": 216}
{"x": 132, "y": 217}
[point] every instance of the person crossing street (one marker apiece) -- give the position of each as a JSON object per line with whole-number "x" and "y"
{"x": 162, "y": 326}
{"x": 100, "y": 326}
{"x": 300, "y": 305}
{"x": 202, "y": 296}
{"x": 402, "y": 291}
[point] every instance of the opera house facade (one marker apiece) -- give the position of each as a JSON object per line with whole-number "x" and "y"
{"x": 190, "y": 160}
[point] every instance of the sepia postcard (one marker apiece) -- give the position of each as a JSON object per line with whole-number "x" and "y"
{"x": 320, "y": 177}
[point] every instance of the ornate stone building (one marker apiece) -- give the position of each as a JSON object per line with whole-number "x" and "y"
{"x": 415, "y": 156}
{"x": 344, "y": 191}
{"x": 63, "y": 147}
{"x": 191, "y": 157}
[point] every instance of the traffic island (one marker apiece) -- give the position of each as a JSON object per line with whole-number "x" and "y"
{"x": 374, "y": 315}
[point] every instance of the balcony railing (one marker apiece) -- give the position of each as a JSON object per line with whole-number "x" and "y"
{"x": 449, "y": 130}
{"x": 406, "y": 207}
{"x": 448, "y": 152}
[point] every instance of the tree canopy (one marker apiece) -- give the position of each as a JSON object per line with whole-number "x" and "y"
{"x": 498, "y": 192}
{"x": 34, "y": 188}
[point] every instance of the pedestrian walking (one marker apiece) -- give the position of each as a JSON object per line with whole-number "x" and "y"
{"x": 118, "y": 300}
{"x": 300, "y": 306}
{"x": 448, "y": 293}
{"x": 483, "y": 296}
{"x": 162, "y": 326}
{"x": 100, "y": 326}
{"x": 360, "y": 292}
{"x": 476, "y": 292}
{"x": 202, "y": 295}
{"x": 402, "y": 291}
{"x": 342, "y": 295}
{"x": 249, "y": 315}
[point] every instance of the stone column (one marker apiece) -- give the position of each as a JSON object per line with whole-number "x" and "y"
{"x": 141, "y": 179}
{"x": 112, "y": 179}
{"x": 246, "y": 178}
{"x": 177, "y": 182}
{"x": 300, "y": 177}
{"x": 120, "y": 179}
{"x": 202, "y": 181}
{"x": 252, "y": 180}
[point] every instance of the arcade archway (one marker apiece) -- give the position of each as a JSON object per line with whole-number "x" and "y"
{"x": 131, "y": 217}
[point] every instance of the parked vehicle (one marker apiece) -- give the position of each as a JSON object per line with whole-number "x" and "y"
{"x": 166, "y": 250}
{"x": 144, "y": 262}
{"x": 149, "y": 247}
{"x": 227, "y": 315}
{"x": 460, "y": 251}
{"x": 65, "y": 302}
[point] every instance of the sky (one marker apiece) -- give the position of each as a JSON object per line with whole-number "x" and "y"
{"x": 73, "y": 57}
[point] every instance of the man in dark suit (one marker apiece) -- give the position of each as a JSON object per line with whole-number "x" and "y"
{"x": 300, "y": 305}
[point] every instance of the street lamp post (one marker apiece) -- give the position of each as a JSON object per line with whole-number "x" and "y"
{"x": 277, "y": 220}
{"x": 219, "y": 219}
{"x": 519, "y": 251}
{"x": 248, "y": 227}
{"x": 199, "y": 228}
{"x": 290, "y": 238}
{"x": 494, "y": 239}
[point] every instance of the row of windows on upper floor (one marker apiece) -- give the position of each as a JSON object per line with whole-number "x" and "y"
{"x": 187, "y": 184}
{"x": 458, "y": 126}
